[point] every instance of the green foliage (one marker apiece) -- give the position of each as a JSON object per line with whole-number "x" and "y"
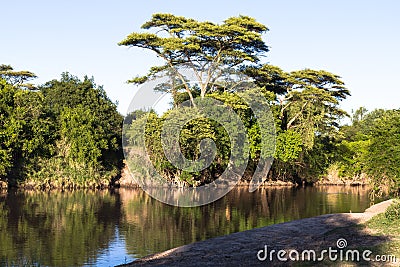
{"x": 17, "y": 78}
{"x": 7, "y": 132}
{"x": 67, "y": 133}
{"x": 392, "y": 213}
{"x": 370, "y": 147}
{"x": 199, "y": 46}
{"x": 384, "y": 151}
{"x": 305, "y": 103}
{"x": 88, "y": 126}
{"x": 129, "y": 118}
{"x": 189, "y": 139}
{"x": 354, "y": 155}
{"x": 272, "y": 78}
{"x": 24, "y": 130}
{"x": 236, "y": 40}
{"x": 289, "y": 145}
{"x": 78, "y": 132}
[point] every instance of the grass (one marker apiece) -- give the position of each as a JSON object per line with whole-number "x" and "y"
{"x": 380, "y": 235}
{"x": 387, "y": 224}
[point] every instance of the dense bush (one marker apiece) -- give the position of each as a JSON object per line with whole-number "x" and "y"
{"x": 393, "y": 211}
{"x": 370, "y": 147}
{"x": 66, "y": 133}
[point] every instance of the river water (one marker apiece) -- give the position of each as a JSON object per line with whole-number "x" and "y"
{"x": 106, "y": 228}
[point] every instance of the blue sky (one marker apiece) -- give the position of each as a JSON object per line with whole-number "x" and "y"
{"x": 358, "y": 40}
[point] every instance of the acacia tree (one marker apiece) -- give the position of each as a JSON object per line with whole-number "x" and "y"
{"x": 308, "y": 112}
{"x": 305, "y": 102}
{"x": 206, "y": 48}
{"x": 298, "y": 91}
{"x": 17, "y": 78}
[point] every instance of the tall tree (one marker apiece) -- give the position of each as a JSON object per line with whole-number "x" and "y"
{"x": 305, "y": 102}
{"x": 17, "y": 78}
{"x": 207, "y": 49}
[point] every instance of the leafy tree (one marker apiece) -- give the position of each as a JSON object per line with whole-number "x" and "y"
{"x": 134, "y": 115}
{"x": 17, "y": 78}
{"x": 289, "y": 146}
{"x": 7, "y": 132}
{"x": 24, "y": 130}
{"x": 307, "y": 111}
{"x": 206, "y": 48}
{"x": 85, "y": 138}
{"x": 78, "y": 131}
{"x": 305, "y": 103}
{"x": 384, "y": 152}
{"x": 67, "y": 133}
{"x": 69, "y": 94}
{"x": 359, "y": 115}
{"x": 369, "y": 148}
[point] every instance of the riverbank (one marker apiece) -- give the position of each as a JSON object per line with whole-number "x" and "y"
{"x": 333, "y": 178}
{"x": 126, "y": 179}
{"x": 240, "y": 249}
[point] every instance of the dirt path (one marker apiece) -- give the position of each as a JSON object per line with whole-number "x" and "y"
{"x": 240, "y": 249}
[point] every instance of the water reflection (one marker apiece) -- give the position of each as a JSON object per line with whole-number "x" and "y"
{"x": 112, "y": 227}
{"x": 57, "y": 228}
{"x": 151, "y": 226}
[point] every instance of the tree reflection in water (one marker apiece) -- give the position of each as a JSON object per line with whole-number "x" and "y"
{"x": 80, "y": 227}
{"x": 150, "y": 226}
{"x": 56, "y": 228}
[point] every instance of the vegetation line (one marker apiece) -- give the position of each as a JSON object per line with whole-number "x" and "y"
{"x": 67, "y": 133}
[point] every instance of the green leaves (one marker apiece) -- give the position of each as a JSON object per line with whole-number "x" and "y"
{"x": 24, "y": 129}
{"x": 371, "y": 148}
{"x": 321, "y": 79}
{"x": 89, "y": 124}
{"x": 289, "y": 145}
{"x": 144, "y": 40}
{"x": 270, "y": 77}
{"x": 169, "y": 22}
{"x": 384, "y": 151}
{"x": 17, "y": 78}
{"x": 203, "y": 47}
{"x": 305, "y": 102}
{"x": 247, "y": 23}
{"x": 78, "y": 130}
{"x": 65, "y": 128}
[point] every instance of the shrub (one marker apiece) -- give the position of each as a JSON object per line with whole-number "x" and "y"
{"x": 393, "y": 211}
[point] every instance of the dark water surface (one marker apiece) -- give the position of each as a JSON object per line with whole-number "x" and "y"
{"x": 105, "y": 228}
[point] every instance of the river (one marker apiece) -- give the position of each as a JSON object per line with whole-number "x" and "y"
{"x": 110, "y": 227}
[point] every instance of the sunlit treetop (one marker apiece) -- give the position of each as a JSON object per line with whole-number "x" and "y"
{"x": 205, "y": 48}
{"x": 17, "y": 78}
{"x": 182, "y": 40}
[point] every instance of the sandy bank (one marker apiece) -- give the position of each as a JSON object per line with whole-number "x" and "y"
{"x": 240, "y": 249}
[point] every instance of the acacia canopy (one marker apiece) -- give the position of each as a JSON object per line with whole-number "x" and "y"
{"x": 17, "y": 78}
{"x": 206, "y": 48}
